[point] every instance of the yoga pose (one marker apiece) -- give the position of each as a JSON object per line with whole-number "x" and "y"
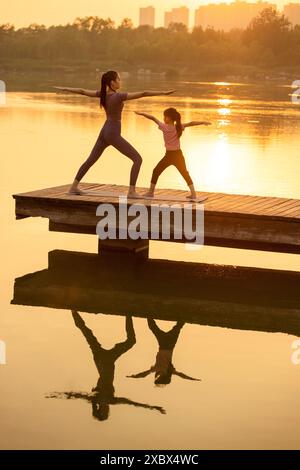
{"x": 103, "y": 395}
{"x": 172, "y": 129}
{"x": 113, "y": 102}
{"x": 163, "y": 367}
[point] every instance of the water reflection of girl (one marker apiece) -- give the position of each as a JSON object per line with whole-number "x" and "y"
{"x": 163, "y": 367}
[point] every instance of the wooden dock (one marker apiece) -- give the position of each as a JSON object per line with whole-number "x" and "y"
{"x": 231, "y": 220}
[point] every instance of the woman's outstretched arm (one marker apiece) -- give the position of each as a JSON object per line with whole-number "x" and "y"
{"x": 148, "y": 116}
{"x": 143, "y": 94}
{"x": 79, "y": 91}
{"x": 197, "y": 123}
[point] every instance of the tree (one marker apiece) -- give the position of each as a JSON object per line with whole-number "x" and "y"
{"x": 93, "y": 23}
{"x": 126, "y": 24}
{"x": 177, "y": 28}
{"x": 270, "y": 29}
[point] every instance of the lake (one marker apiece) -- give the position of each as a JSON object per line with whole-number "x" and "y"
{"x": 246, "y": 395}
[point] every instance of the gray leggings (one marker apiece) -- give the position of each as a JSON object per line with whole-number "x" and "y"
{"x": 110, "y": 134}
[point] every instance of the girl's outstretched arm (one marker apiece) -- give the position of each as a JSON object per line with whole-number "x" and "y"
{"x": 143, "y": 374}
{"x": 184, "y": 376}
{"x": 79, "y": 91}
{"x": 143, "y": 94}
{"x": 197, "y": 123}
{"x": 148, "y": 116}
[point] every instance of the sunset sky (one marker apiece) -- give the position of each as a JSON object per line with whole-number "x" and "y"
{"x": 21, "y": 13}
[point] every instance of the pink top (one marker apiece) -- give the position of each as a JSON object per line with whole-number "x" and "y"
{"x": 171, "y": 138}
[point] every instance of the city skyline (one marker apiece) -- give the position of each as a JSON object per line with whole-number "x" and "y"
{"x": 220, "y": 16}
{"x": 21, "y": 14}
{"x": 177, "y": 15}
{"x": 227, "y": 16}
{"x": 147, "y": 16}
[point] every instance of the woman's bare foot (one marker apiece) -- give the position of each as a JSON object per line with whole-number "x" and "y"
{"x": 192, "y": 196}
{"x": 133, "y": 194}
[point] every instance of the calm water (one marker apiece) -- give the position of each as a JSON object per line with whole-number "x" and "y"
{"x": 248, "y": 396}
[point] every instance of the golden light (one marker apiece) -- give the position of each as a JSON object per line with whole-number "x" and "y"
{"x": 220, "y": 163}
{"x": 224, "y": 101}
{"x": 221, "y": 83}
{"x": 223, "y": 122}
{"x": 224, "y": 111}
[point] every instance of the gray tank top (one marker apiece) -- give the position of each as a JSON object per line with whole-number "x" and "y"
{"x": 114, "y": 105}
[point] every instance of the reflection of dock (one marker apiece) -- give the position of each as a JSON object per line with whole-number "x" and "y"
{"x": 225, "y": 296}
{"x": 253, "y": 222}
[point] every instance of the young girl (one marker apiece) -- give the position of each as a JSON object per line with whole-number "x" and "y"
{"x": 172, "y": 129}
{"x": 163, "y": 368}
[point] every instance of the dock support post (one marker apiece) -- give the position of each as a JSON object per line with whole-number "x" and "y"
{"x": 136, "y": 248}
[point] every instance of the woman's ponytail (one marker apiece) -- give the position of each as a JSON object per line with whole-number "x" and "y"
{"x": 103, "y": 91}
{"x": 106, "y": 79}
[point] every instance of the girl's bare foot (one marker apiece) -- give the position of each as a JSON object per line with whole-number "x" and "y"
{"x": 192, "y": 196}
{"x": 148, "y": 194}
{"x": 75, "y": 192}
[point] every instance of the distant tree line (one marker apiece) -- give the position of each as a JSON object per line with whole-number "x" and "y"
{"x": 269, "y": 39}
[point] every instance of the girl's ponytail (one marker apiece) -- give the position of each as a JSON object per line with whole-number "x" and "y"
{"x": 178, "y": 124}
{"x": 175, "y": 116}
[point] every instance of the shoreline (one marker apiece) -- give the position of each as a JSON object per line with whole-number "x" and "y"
{"x": 44, "y": 73}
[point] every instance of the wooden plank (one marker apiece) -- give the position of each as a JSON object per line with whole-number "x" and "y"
{"x": 217, "y": 205}
{"x": 45, "y": 191}
{"x": 66, "y": 195}
{"x": 253, "y": 205}
{"x": 49, "y": 192}
{"x": 259, "y": 207}
{"x": 214, "y": 197}
{"x": 284, "y": 207}
{"x": 274, "y": 206}
{"x": 292, "y": 212}
{"x": 234, "y": 203}
{"x": 247, "y": 214}
{"x": 236, "y": 200}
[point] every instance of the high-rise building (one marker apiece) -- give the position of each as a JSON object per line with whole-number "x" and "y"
{"x": 147, "y": 16}
{"x": 226, "y": 16}
{"x": 177, "y": 15}
{"x": 292, "y": 12}
{"x": 168, "y": 18}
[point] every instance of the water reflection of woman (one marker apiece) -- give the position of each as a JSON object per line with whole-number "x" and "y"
{"x": 163, "y": 367}
{"x": 104, "y": 393}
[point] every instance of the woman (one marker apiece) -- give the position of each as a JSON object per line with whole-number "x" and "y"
{"x": 113, "y": 102}
{"x": 103, "y": 395}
